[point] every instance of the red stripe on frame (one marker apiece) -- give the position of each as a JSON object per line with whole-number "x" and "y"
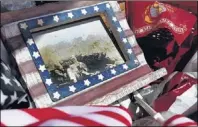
{"x": 38, "y": 90}
{"x": 120, "y": 15}
{"x": 128, "y": 33}
{"x": 137, "y": 50}
{"x": 28, "y": 67}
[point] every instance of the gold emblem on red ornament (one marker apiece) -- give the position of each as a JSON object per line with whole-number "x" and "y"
{"x": 153, "y": 12}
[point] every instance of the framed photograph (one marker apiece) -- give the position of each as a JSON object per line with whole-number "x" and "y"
{"x": 65, "y": 59}
{"x": 78, "y": 49}
{"x": 80, "y": 54}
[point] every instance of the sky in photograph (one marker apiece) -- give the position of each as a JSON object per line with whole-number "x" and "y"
{"x": 45, "y": 38}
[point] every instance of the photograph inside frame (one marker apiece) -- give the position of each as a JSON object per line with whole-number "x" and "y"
{"x": 77, "y": 50}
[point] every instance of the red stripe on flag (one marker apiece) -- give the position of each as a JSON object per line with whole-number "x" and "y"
{"x": 183, "y": 123}
{"x": 126, "y": 110}
{"x": 187, "y": 124}
{"x": 1, "y": 124}
{"x": 116, "y": 116}
{"x": 74, "y": 119}
{"x": 45, "y": 113}
{"x": 50, "y": 113}
{"x": 170, "y": 120}
{"x": 119, "y": 107}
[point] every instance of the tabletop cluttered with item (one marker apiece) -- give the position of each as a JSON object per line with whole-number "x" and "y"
{"x": 88, "y": 62}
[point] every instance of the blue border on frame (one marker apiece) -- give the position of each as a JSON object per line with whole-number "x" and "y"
{"x": 55, "y": 92}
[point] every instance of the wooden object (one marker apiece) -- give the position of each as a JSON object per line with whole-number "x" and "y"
{"x": 105, "y": 94}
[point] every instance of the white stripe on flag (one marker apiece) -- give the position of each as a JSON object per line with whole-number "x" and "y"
{"x": 185, "y": 101}
{"x": 17, "y": 118}
{"x": 57, "y": 122}
{"x": 78, "y": 110}
{"x": 180, "y": 120}
{"x": 107, "y": 121}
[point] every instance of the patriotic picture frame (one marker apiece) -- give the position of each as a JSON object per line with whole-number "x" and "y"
{"x": 58, "y": 93}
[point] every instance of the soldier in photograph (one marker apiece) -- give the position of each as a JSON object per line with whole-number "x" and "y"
{"x": 77, "y": 70}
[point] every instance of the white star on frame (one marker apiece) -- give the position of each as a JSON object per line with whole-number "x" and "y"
{"x": 48, "y": 82}
{"x": 87, "y": 82}
{"x": 119, "y": 29}
{"x": 72, "y": 88}
{"x": 40, "y": 22}
{"x": 113, "y": 71}
{"x": 56, "y": 95}
{"x": 83, "y": 11}
{"x": 100, "y": 77}
{"x": 125, "y": 67}
{"x": 70, "y": 15}
{"x": 42, "y": 68}
{"x": 136, "y": 61}
{"x": 96, "y": 8}
{"x": 24, "y": 26}
{"x": 129, "y": 51}
{"x": 36, "y": 55}
{"x": 56, "y": 19}
{"x": 114, "y": 19}
{"x": 30, "y": 41}
{"x": 107, "y": 5}
{"x": 124, "y": 40}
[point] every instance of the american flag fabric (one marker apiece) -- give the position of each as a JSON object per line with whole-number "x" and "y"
{"x": 179, "y": 121}
{"x": 79, "y": 116}
{"x": 67, "y": 116}
{"x": 180, "y": 94}
{"x": 12, "y": 93}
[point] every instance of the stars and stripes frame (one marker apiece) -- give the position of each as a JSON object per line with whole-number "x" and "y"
{"x": 60, "y": 93}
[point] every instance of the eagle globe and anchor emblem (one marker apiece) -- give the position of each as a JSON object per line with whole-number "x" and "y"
{"x": 153, "y": 12}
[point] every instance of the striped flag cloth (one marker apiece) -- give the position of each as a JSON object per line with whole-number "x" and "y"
{"x": 67, "y": 116}
{"x": 180, "y": 94}
{"x": 179, "y": 121}
{"x": 79, "y": 116}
